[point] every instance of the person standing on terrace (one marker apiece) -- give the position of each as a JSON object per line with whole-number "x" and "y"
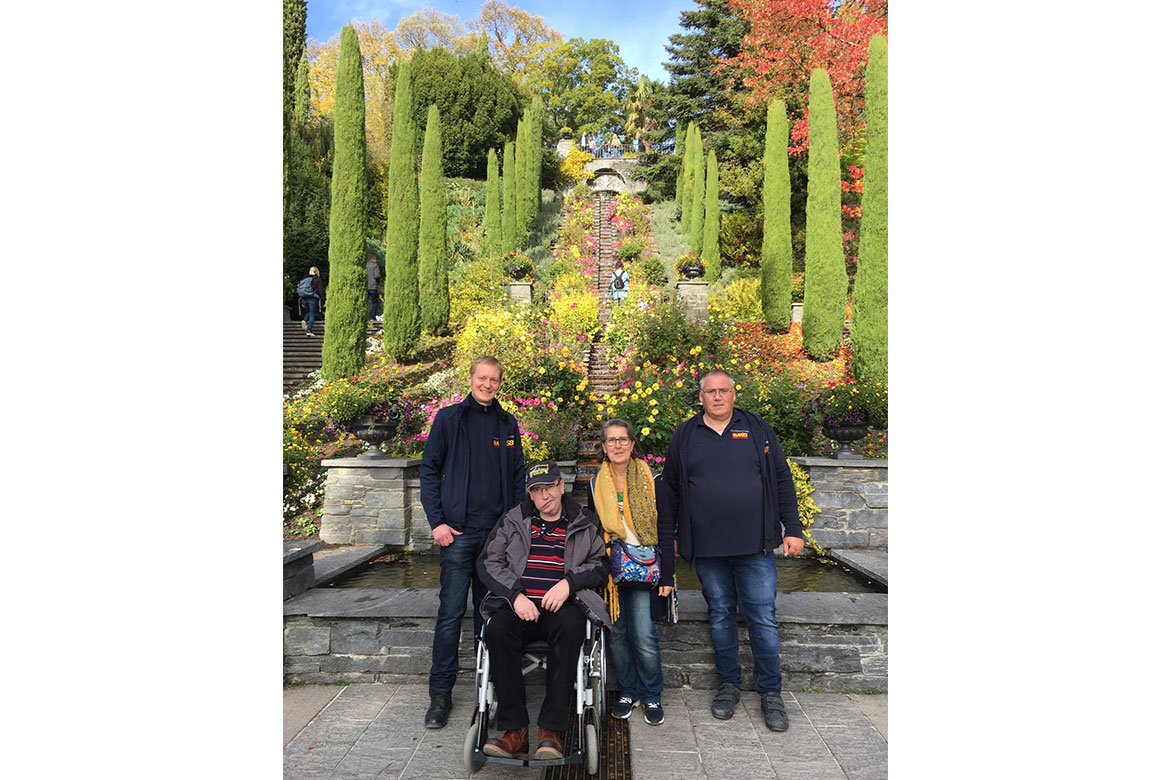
{"x": 733, "y": 501}
{"x": 472, "y": 471}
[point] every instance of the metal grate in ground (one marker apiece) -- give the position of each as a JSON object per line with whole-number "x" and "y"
{"x": 614, "y": 745}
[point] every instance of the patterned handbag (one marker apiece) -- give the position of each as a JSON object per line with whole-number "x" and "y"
{"x": 634, "y": 565}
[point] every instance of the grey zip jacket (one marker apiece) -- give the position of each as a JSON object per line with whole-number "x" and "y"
{"x": 501, "y": 564}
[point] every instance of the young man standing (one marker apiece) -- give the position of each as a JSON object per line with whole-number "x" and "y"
{"x": 542, "y": 553}
{"x": 472, "y": 470}
{"x": 731, "y": 493}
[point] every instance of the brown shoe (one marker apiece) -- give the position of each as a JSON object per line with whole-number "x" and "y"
{"x": 510, "y": 744}
{"x": 550, "y": 745}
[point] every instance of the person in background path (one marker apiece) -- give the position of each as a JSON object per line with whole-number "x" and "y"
{"x": 541, "y": 554}
{"x": 615, "y": 146}
{"x": 592, "y": 146}
{"x": 733, "y": 501}
{"x": 624, "y": 494}
{"x": 373, "y": 276}
{"x": 472, "y": 471}
{"x": 584, "y": 140}
{"x": 619, "y": 282}
{"x": 311, "y": 301}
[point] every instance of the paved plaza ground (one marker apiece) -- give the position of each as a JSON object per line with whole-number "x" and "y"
{"x": 375, "y": 731}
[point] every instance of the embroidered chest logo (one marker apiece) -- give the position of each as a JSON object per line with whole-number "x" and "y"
{"x": 509, "y": 444}
{"x": 739, "y": 434}
{"x": 496, "y": 443}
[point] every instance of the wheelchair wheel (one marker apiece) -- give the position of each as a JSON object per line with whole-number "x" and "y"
{"x": 469, "y": 745}
{"x": 591, "y": 755}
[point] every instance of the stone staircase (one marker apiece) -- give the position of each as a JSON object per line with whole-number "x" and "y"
{"x": 602, "y": 378}
{"x": 302, "y": 355}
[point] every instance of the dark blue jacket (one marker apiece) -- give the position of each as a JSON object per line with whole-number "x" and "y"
{"x": 779, "y": 491}
{"x": 446, "y": 464}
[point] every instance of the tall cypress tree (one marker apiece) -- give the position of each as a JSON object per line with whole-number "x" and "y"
{"x": 776, "y": 253}
{"x": 687, "y": 177}
{"x": 536, "y": 157}
{"x": 871, "y": 287}
{"x": 712, "y": 221}
{"x": 491, "y": 209}
{"x": 295, "y": 14}
{"x": 825, "y": 281}
{"x": 508, "y": 221}
{"x": 521, "y": 192}
{"x": 698, "y": 191}
{"x": 301, "y": 103}
{"x": 432, "y": 233}
{"x": 343, "y": 351}
{"x": 400, "y": 323}
{"x": 679, "y": 180}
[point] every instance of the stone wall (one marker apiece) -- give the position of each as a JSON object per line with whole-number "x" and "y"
{"x": 828, "y": 641}
{"x": 853, "y": 496}
{"x": 374, "y": 501}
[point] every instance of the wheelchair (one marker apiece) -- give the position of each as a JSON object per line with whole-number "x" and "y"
{"x": 589, "y": 701}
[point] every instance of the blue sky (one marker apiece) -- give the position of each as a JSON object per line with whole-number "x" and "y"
{"x": 640, "y": 29}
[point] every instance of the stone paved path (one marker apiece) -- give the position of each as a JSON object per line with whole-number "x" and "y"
{"x": 375, "y": 731}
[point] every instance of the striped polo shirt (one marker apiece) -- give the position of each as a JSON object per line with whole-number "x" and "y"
{"x": 546, "y": 558}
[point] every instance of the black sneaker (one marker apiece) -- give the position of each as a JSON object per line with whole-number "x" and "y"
{"x": 653, "y": 714}
{"x": 723, "y": 705}
{"x": 775, "y": 716}
{"x": 439, "y": 711}
{"x": 622, "y": 709}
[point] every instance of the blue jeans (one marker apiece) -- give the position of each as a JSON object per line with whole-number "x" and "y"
{"x": 311, "y": 304}
{"x": 748, "y": 581}
{"x": 372, "y": 300}
{"x": 456, "y": 573}
{"x": 634, "y": 647}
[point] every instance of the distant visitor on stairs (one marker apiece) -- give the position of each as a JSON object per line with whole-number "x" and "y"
{"x": 373, "y": 276}
{"x": 311, "y": 292}
{"x": 619, "y": 282}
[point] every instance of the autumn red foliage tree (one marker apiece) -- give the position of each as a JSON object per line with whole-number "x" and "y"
{"x": 788, "y": 39}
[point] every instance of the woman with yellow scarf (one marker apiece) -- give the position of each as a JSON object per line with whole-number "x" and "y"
{"x": 623, "y": 495}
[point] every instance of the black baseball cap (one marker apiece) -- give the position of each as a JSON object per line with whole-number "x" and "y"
{"x": 544, "y": 473}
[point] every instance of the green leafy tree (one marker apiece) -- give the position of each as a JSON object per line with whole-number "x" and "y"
{"x": 869, "y": 331}
{"x": 491, "y": 209}
{"x": 343, "y": 350}
{"x": 401, "y": 326}
{"x": 711, "y": 222}
{"x": 306, "y": 217}
{"x": 776, "y": 252}
{"x": 508, "y": 222}
{"x": 479, "y": 105}
{"x": 698, "y": 191}
{"x": 825, "y": 280}
{"x": 583, "y": 84}
{"x": 432, "y": 234}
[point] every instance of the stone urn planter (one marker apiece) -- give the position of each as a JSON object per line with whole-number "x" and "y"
{"x": 372, "y": 433}
{"x": 692, "y": 272}
{"x": 797, "y": 311}
{"x": 518, "y": 291}
{"x": 844, "y": 435}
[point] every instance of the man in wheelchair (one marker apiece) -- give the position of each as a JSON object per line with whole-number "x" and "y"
{"x": 539, "y": 555}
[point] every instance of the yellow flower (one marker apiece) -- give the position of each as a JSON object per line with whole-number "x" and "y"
{"x": 645, "y": 431}
{"x": 653, "y": 402}
{"x": 638, "y": 384}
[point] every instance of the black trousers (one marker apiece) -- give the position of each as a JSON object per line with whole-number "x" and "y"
{"x": 506, "y": 634}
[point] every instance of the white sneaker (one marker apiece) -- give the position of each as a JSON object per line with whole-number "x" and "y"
{"x": 304, "y": 326}
{"x": 310, "y": 333}
{"x": 378, "y": 318}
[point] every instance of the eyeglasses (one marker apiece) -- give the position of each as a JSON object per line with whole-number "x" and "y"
{"x": 543, "y": 490}
{"x": 618, "y": 441}
{"x": 718, "y": 391}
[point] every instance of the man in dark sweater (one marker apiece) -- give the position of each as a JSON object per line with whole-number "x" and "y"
{"x": 472, "y": 470}
{"x": 734, "y": 502}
